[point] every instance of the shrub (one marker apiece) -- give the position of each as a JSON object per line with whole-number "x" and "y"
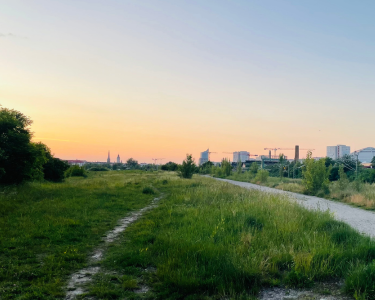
{"x": 262, "y": 176}
{"x": 76, "y": 171}
{"x": 17, "y": 153}
{"x": 148, "y": 190}
{"x": 98, "y": 169}
{"x": 315, "y": 175}
{"x": 361, "y": 282}
{"x": 298, "y": 279}
{"x": 226, "y": 167}
{"x": 54, "y": 169}
{"x": 170, "y": 166}
{"x": 254, "y": 168}
{"x": 187, "y": 169}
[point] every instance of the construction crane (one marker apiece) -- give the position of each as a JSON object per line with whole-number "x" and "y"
{"x": 275, "y": 149}
{"x": 156, "y": 159}
{"x": 248, "y": 155}
{"x": 209, "y": 154}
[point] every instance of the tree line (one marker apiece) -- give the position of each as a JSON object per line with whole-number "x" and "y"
{"x": 20, "y": 158}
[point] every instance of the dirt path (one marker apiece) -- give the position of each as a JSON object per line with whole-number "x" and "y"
{"x": 78, "y": 280}
{"x": 362, "y": 220}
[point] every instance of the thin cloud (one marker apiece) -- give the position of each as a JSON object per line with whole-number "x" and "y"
{"x": 38, "y": 138}
{"x": 11, "y": 35}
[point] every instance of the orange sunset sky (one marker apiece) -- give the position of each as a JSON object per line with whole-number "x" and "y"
{"x": 159, "y": 79}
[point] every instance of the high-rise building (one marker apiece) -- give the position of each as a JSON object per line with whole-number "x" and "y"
{"x": 241, "y": 156}
{"x": 109, "y": 158}
{"x": 204, "y": 157}
{"x": 338, "y": 151}
{"x": 118, "y": 158}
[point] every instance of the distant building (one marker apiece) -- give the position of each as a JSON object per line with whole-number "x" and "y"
{"x": 204, "y": 157}
{"x": 365, "y": 155}
{"x": 241, "y": 156}
{"x": 109, "y": 158}
{"x": 367, "y": 165}
{"x": 76, "y": 162}
{"x": 118, "y": 158}
{"x": 338, "y": 151}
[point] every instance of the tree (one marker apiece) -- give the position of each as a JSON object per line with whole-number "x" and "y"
{"x": 226, "y": 167}
{"x": 329, "y": 162}
{"x": 262, "y": 176}
{"x": 76, "y": 171}
{"x": 187, "y": 169}
{"x": 18, "y": 155}
{"x": 367, "y": 175}
{"x": 315, "y": 175}
{"x": 132, "y": 163}
{"x": 170, "y": 166}
{"x": 334, "y": 174}
{"x": 254, "y": 168}
{"x": 54, "y": 169}
{"x": 373, "y": 162}
{"x": 282, "y": 161}
{"x": 239, "y": 167}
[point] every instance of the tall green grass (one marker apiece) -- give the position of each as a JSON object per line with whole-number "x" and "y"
{"x": 212, "y": 239}
{"x": 48, "y": 229}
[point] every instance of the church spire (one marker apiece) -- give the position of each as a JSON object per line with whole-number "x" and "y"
{"x": 109, "y": 158}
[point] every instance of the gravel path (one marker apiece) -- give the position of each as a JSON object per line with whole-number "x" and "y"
{"x": 362, "y": 220}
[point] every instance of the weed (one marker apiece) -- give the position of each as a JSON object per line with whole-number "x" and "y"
{"x": 148, "y": 190}
{"x": 361, "y": 282}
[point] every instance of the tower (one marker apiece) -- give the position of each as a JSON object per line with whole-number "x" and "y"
{"x": 296, "y": 153}
{"x": 109, "y": 158}
{"x": 118, "y": 158}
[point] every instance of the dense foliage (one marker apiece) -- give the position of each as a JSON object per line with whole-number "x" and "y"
{"x": 21, "y": 159}
{"x": 170, "y": 166}
{"x": 188, "y": 167}
{"x": 76, "y": 171}
{"x": 315, "y": 175}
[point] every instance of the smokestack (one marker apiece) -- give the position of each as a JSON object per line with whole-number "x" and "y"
{"x": 270, "y": 154}
{"x": 296, "y": 155}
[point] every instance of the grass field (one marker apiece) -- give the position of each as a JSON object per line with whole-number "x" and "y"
{"x": 355, "y": 193}
{"x": 212, "y": 240}
{"x": 205, "y": 240}
{"x": 48, "y": 229}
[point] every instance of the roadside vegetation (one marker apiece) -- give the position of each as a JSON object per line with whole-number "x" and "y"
{"x": 344, "y": 180}
{"x": 212, "y": 240}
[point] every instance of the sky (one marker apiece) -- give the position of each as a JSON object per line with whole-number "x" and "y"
{"x": 160, "y": 79}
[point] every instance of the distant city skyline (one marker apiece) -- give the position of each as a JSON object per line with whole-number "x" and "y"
{"x": 165, "y": 78}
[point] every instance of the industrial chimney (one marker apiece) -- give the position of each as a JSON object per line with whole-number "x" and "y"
{"x": 296, "y": 155}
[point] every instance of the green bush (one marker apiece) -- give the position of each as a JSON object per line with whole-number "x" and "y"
{"x": 226, "y": 167}
{"x": 315, "y": 175}
{"x": 98, "y": 169}
{"x": 262, "y": 176}
{"x": 298, "y": 279}
{"x": 20, "y": 159}
{"x": 148, "y": 190}
{"x": 76, "y": 171}
{"x": 188, "y": 168}
{"x": 54, "y": 169}
{"x": 254, "y": 167}
{"x": 361, "y": 282}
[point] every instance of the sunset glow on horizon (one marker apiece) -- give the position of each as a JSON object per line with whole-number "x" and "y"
{"x": 160, "y": 79}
